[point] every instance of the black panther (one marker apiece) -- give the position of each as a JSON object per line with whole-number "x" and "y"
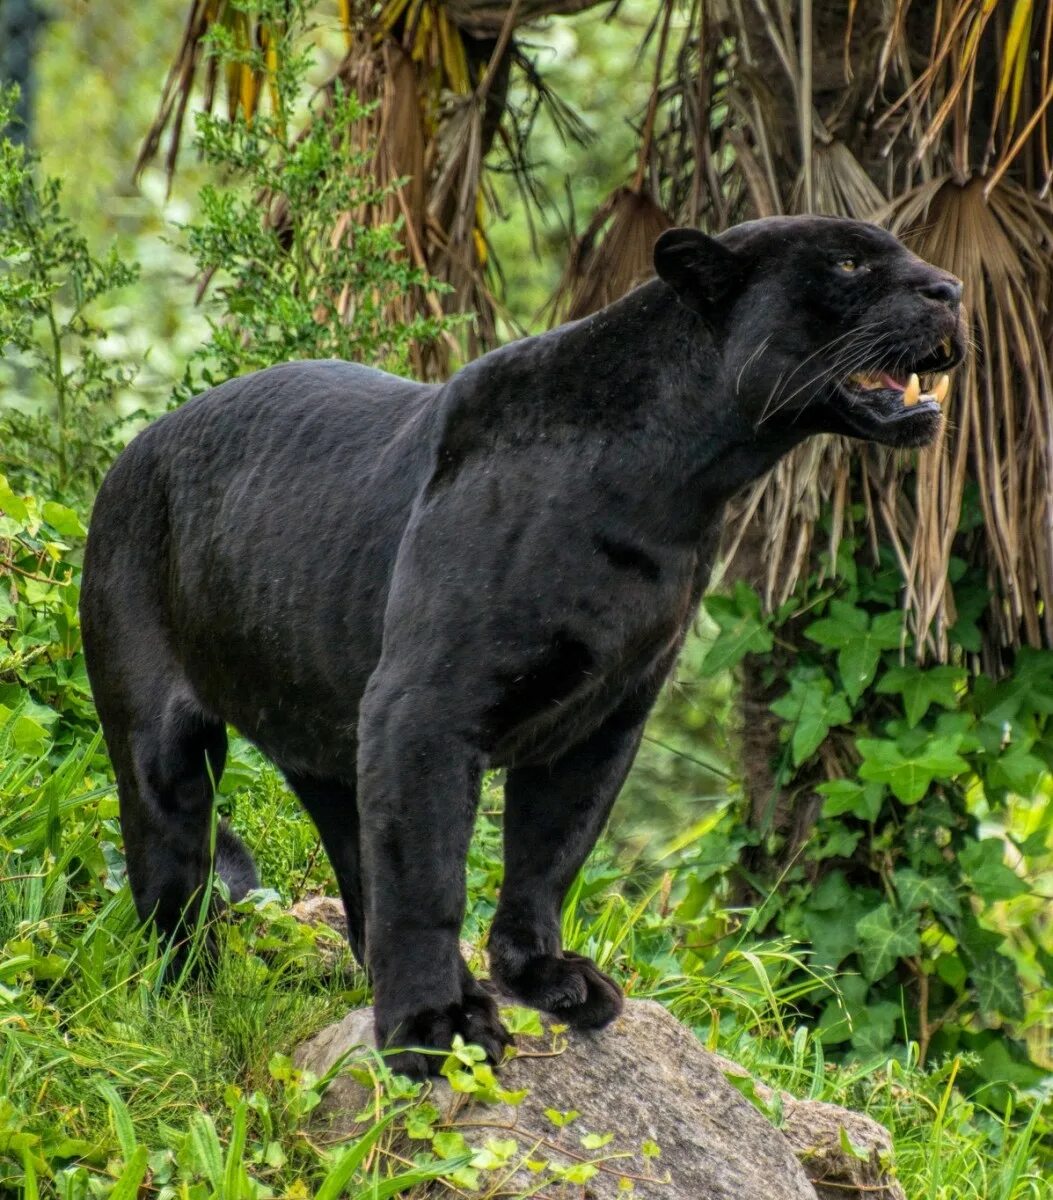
{"x": 390, "y": 587}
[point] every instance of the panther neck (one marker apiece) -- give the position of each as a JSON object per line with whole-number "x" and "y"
{"x": 664, "y": 378}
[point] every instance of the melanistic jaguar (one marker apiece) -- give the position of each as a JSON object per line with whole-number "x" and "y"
{"x": 390, "y": 587}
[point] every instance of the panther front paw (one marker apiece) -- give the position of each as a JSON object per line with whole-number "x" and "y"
{"x": 569, "y": 986}
{"x": 424, "y": 1037}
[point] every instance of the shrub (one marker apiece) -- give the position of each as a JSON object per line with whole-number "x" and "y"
{"x": 293, "y": 274}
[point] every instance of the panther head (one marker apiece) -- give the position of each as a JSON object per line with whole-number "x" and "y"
{"x": 824, "y": 325}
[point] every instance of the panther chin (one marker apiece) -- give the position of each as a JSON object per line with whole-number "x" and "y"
{"x": 901, "y": 405}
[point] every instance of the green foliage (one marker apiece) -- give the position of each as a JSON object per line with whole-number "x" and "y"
{"x": 42, "y": 674}
{"x": 293, "y": 275}
{"x": 57, "y": 391}
{"x": 918, "y": 885}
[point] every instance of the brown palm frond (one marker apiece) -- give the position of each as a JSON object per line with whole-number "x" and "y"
{"x": 986, "y": 90}
{"x": 612, "y": 256}
{"x": 486, "y": 18}
{"x": 1001, "y": 245}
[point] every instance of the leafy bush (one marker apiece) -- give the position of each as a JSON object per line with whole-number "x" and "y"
{"x": 917, "y": 884}
{"x": 58, "y": 422}
{"x": 42, "y": 673}
{"x": 294, "y": 275}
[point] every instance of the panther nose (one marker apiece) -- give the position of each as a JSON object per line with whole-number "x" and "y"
{"x": 945, "y": 288}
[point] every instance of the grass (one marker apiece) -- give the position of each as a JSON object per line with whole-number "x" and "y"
{"x": 116, "y": 1085}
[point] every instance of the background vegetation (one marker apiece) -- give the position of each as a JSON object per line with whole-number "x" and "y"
{"x": 834, "y": 858}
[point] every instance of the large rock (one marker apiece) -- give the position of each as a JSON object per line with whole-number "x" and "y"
{"x": 645, "y": 1079}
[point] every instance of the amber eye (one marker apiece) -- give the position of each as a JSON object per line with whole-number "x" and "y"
{"x": 848, "y": 264}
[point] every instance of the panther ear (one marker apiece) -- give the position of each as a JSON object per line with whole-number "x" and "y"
{"x": 698, "y": 268}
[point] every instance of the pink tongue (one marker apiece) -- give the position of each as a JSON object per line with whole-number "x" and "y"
{"x": 895, "y": 384}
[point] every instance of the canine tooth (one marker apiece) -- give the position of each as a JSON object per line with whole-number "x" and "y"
{"x": 912, "y": 391}
{"x": 939, "y": 392}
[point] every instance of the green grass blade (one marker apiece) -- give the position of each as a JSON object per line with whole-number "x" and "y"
{"x": 121, "y": 1118}
{"x": 350, "y": 1160}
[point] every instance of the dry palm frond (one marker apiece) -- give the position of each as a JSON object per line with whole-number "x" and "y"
{"x": 486, "y": 18}
{"x": 987, "y": 89}
{"x": 1001, "y": 246}
{"x": 612, "y": 255}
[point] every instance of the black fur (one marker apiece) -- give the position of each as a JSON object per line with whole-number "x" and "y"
{"x": 390, "y": 587}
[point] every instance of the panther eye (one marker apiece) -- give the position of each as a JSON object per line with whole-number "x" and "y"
{"x": 848, "y": 264}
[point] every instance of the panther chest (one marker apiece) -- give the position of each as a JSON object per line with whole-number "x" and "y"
{"x": 585, "y": 676}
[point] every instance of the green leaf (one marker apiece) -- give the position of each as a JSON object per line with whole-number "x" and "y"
{"x": 497, "y": 1152}
{"x": 520, "y": 1020}
{"x": 449, "y": 1144}
{"x": 921, "y": 689}
{"x": 997, "y": 984}
{"x": 850, "y": 1148}
{"x": 859, "y": 640}
{"x": 129, "y": 1180}
{"x": 208, "y": 1154}
{"x": 874, "y": 1027}
{"x": 844, "y": 624}
{"x": 559, "y": 1119}
{"x": 420, "y": 1120}
{"x": 910, "y": 773}
{"x": 594, "y": 1141}
{"x": 347, "y": 1161}
{"x": 62, "y": 519}
{"x": 579, "y": 1173}
{"x": 11, "y": 505}
{"x": 861, "y": 800}
{"x": 831, "y": 917}
{"x": 917, "y": 892}
{"x": 120, "y": 1117}
{"x": 1015, "y": 770}
{"x": 743, "y": 629}
{"x": 886, "y": 935}
{"x": 811, "y": 707}
{"x": 984, "y": 864}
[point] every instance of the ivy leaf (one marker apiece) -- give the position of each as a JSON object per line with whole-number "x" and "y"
{"x": 743, "y": 629}
{"x": 1016, "y": 770}
{"x": 859, "y": 640}
{"x": 984, "y": 863}
{"x": 873, "y": 1028}
{"x": 917, "y": 892}
{"x": 811, "y": 707}
{"x": 862, "y": 800}
{"x": 11, "y": 505}
{"x": 921, "y": 689}
{"x": 830, "y": 919}
{"x": 594, "y": 1141}
{"x": 886, "y": 935}
{"x": 909, "y": 773}
{"x": 998, "y": 987}
{"x": 450, "y": 1144}
{"x": 970, "y": 600}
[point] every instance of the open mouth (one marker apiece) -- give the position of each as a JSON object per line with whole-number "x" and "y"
{"x": 910, "y": 391}
{"x": 893, "y": 390}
